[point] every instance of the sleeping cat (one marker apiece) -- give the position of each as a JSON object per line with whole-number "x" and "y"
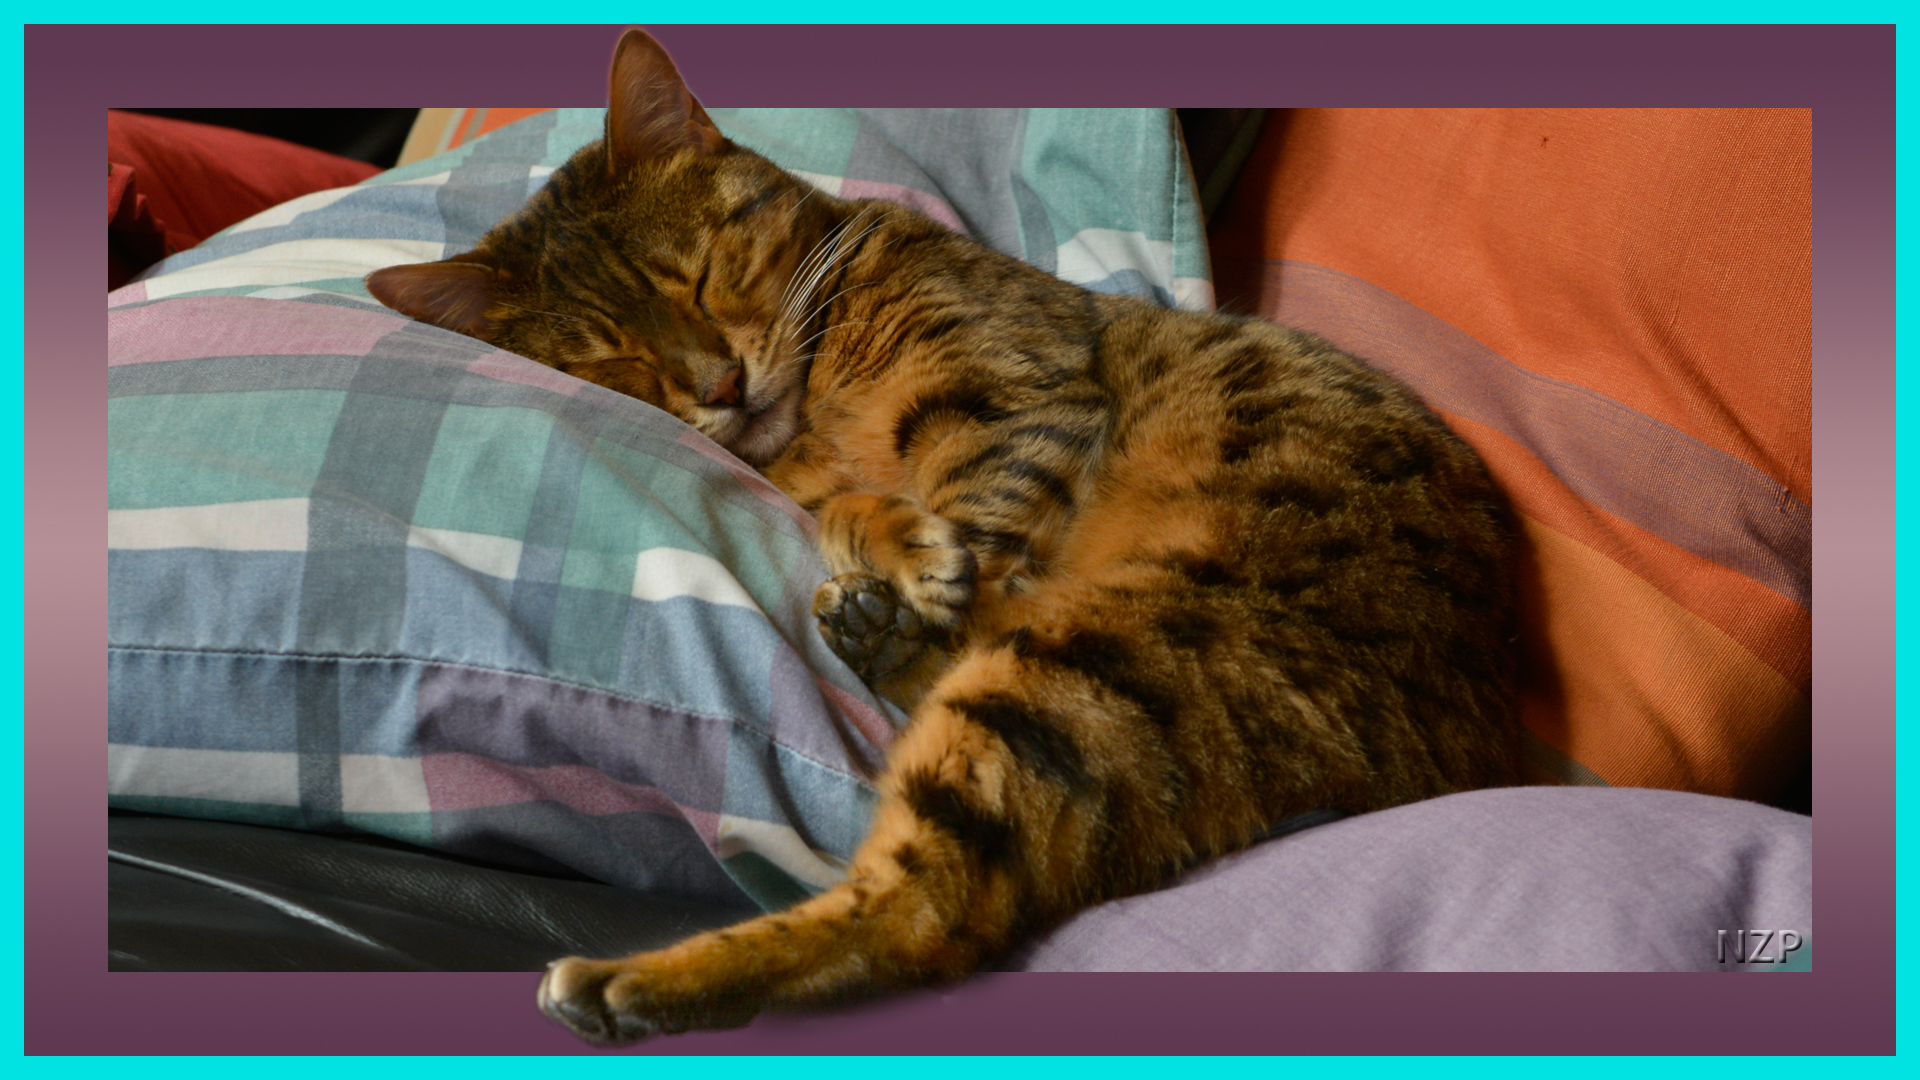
{"x": 1152, "y": 581}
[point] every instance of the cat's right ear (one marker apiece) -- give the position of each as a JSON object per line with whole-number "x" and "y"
{"x": 650, "y": 111}
{"x": 454, "y": 293}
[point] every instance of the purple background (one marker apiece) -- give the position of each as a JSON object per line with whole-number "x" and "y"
{"x": 1844, "y": 73}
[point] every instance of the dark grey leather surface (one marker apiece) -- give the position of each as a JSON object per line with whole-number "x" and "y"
{"x": 188, "y": 895}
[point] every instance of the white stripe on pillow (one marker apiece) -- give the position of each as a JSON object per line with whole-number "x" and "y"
{"x": 257, "y": 525}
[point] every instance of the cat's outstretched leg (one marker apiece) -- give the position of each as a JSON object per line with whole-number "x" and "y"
{"x": 935, "y": 885}
{"x": 999, "y": 813}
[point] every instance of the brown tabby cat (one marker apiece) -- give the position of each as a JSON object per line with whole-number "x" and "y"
{"x": 1156, "y": 580}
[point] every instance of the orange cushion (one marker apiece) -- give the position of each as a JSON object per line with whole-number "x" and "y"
{"x": 1615, "y": 308}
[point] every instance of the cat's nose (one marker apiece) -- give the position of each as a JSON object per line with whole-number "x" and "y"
{"x": 724, "y": 390}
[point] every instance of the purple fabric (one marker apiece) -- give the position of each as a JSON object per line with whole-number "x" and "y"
{"x": 1516, "y": 879}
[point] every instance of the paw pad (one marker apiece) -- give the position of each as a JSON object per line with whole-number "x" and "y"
{"x": 866, "y": 624}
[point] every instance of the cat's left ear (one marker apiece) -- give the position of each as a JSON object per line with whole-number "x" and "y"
{"x": 454, "y": 293}
{"x": 650, "y": 111}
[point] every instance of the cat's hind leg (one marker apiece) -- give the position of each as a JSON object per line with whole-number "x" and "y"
{"x": 993, "y": 820}
{"x": 930, "y": 890}
{"x": 1089, "y": 742}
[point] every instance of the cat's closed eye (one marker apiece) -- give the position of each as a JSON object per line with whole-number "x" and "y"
{"x": 700, "y": 292}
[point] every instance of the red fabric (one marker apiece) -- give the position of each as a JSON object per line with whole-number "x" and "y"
{"x": 135, "y": 240}
{"x": 173, "y": 183}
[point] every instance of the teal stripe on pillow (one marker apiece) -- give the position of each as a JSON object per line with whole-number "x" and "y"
{"x": 190, "y": 449}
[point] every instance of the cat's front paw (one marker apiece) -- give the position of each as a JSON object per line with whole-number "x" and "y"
{"x": 864, "y": 621}
{"x": 895, "y": 538}
{"x": 614, "y": 1003}
{"x": 936, "y": 572}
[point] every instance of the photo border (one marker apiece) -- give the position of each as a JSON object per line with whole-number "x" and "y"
{"x": 1844, "y": 73}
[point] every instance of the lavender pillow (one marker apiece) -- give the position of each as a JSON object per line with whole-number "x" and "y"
{"x": 1517, "y": 879}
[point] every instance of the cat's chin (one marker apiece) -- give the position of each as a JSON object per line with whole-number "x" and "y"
{"x": 769, "y": 431}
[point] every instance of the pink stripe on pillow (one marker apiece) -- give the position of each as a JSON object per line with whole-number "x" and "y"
{"x": 470, "y": 782}
{"x": 931, "y": 205}
{"x": 197, "y": 327}
{"x": 506, "y": 367}
{"x": 869, "y": 722}
{"x": 754, "y": 482}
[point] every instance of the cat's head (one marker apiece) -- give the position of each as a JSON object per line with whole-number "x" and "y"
{"x": 663, "y": 261}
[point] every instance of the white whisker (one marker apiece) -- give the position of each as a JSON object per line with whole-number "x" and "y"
{"x": 802, "y": 297}
{"x": 825, "y": 304}
{"x": 800, "y": 272}
{"x": 542, "y": 311}
{"x": 786, "y": 297}
{"x": 802, "y": 347}
{"x": 790, "y": 300}
{"x": 842, "y": 250}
